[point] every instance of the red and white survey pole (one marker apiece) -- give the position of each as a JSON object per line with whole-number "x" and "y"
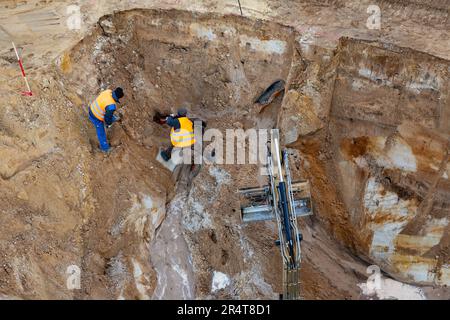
{"x": 25, "y": 93}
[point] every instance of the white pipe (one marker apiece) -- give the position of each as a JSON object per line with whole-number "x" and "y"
{"x": 277, "y": 151}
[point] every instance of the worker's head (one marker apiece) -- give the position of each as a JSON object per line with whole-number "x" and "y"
{"x": 118, "y": 93}
{"x": 182, "y": 112}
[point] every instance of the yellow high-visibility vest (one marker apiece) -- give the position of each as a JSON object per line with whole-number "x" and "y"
{"x": 183, "y": 137}
{"x": 98, "y": 106}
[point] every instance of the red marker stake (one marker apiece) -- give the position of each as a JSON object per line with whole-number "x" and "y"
{"x": 25, "y": 93}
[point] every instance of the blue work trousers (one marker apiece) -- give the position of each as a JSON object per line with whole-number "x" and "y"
{"x": 101, "y": 132}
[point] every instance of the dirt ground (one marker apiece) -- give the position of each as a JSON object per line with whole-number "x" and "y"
{"x": 366, "y": 122}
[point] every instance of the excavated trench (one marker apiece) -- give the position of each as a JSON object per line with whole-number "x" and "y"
{"x": 366, "y": 123}
{"x": 353, "y": 116}
{"x": 216, "y": 68}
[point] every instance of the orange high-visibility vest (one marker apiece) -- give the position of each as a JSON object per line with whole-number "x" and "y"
{"x": 98, "y": 106}
{"x": 183, "y": 137}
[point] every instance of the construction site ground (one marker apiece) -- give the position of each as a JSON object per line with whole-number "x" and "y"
{"x": 365, "y": 117}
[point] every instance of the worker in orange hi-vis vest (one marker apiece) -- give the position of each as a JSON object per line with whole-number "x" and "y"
{"x": 182, "y": 133}
{"x": 101, "y": 113}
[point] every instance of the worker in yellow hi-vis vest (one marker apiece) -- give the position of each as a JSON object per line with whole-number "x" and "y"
{"x": 101, "y": 113}
{"x": 182, "y": 133}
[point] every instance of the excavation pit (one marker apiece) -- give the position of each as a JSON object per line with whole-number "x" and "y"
{"x": 365, "y": 123}
{"x": 216, "y": 67}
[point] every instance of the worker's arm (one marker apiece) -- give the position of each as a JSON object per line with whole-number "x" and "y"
{"x": 109, "y": 114}
{"x": 173, "y": 122}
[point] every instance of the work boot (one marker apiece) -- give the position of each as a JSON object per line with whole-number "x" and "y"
{"x": 165, "y": 155}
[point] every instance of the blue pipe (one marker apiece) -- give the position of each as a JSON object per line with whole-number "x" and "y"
{"x": 285, "y": 210}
